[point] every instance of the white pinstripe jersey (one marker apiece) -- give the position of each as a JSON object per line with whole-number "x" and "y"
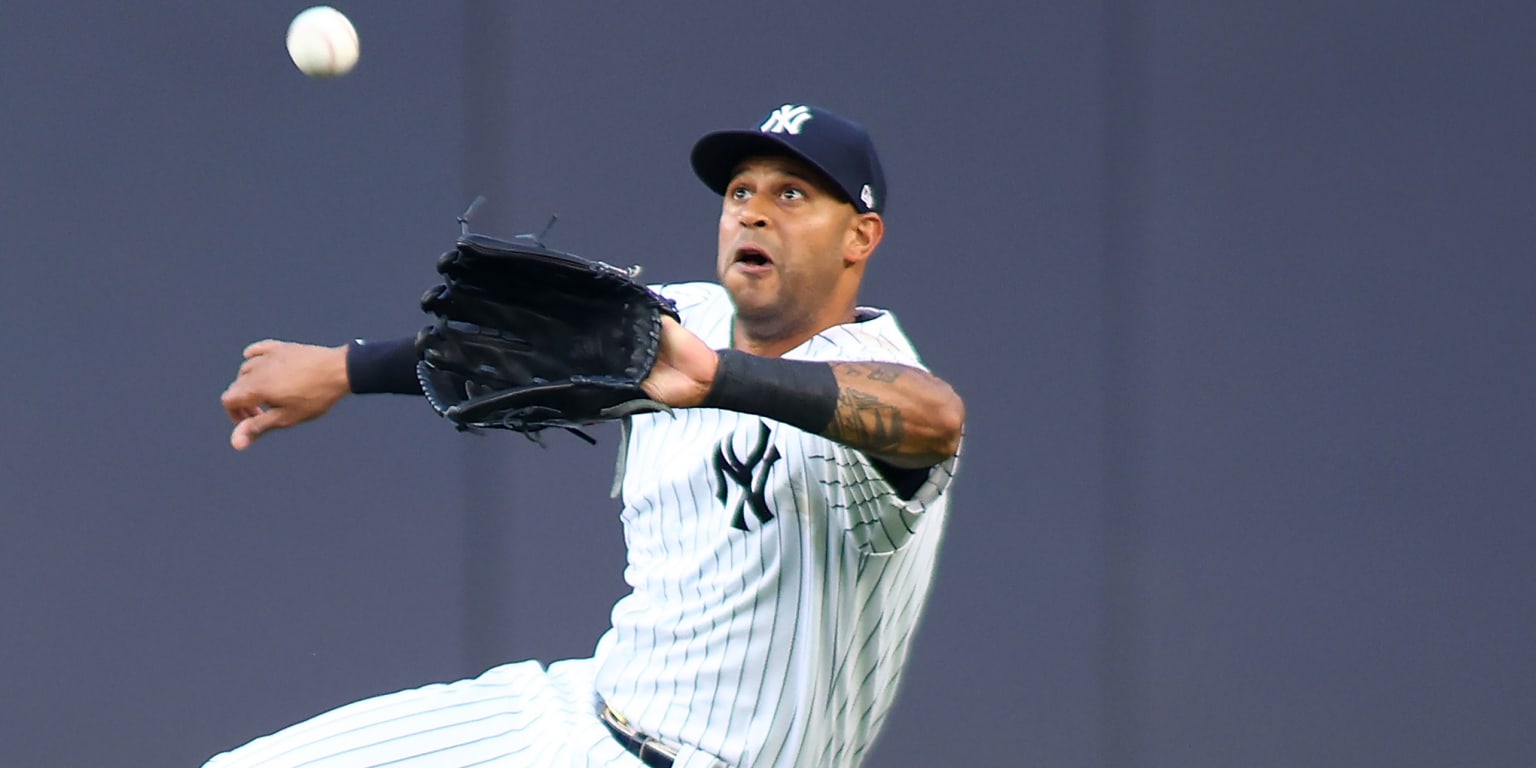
{"x": 777, "y": 577}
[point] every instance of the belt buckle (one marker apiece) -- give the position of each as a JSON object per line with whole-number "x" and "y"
{"x": 645, "y": 745}
{"x": 614, "y": 715}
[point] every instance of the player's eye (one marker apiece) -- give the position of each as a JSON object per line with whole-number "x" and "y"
{"x": 739, "y": 193}
{"x": 793, "y": 193}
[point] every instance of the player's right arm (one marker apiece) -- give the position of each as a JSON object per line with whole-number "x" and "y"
{"x": 900, "y": 415}
{"x": 281, "y": 384}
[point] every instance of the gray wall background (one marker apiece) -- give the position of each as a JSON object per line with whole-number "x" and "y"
{"x": 1239, "y": 295}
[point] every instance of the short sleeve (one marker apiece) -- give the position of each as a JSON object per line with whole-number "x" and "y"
{"x": 873, "y": 514}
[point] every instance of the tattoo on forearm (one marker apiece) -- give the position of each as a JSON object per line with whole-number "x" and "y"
{"x": 884, "y": 373}
{"x": 865, "y": 422}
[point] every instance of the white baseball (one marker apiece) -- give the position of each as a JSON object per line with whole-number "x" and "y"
{"x": 322, "y": 42}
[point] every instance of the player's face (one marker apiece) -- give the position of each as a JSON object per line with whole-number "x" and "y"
{"x": 784, "y": 242}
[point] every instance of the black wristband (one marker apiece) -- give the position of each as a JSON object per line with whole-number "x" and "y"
{"x": 799, "y": 393}
{"x": 383, "y": 367}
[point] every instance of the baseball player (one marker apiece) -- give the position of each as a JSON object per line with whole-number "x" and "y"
{"x": 782, "y": 522}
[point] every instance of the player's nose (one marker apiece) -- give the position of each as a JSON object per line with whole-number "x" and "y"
{"x": 752, "y": 218}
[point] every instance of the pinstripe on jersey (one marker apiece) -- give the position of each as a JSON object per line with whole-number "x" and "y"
{"x": 781, "y": 644}
{"x": 776, "y": 578}
{"x": 513, "y": 715}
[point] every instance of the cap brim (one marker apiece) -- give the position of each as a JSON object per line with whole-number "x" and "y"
{"x": 716, "y": 157}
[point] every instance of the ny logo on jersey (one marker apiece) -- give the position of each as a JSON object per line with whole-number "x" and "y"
{"x": 786, "y": 119}
{"x": 749, "y": 474}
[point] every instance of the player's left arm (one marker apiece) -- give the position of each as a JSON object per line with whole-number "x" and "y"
{"x": 901, "y": 415}
{"x": 898, "y": 414}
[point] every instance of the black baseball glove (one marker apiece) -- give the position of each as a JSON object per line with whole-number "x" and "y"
{"x": 525, "y": 337}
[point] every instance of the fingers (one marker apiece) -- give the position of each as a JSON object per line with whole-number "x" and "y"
{"x": 237, "y": 415}
{"x": 248, "y": 429}
{"x": 235, "y": 404}
{"x": 241, "y": 399}
{"x": 281, "y": 384}
{"x": 690, "y": 355}
{"x": 670, "y": 335}
{"x": 258, "y": 348}
{"x": 241, "y": 437}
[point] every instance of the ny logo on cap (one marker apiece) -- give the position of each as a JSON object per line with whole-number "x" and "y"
{"x": 786, "y": 119}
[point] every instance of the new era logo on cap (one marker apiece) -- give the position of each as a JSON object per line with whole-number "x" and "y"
{"x": 834, "y": 145}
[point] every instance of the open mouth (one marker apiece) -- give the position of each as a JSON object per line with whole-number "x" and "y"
{"x": 752, "y": 256}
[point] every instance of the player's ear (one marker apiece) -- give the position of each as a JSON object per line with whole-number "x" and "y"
{"x": 864, "y": 234}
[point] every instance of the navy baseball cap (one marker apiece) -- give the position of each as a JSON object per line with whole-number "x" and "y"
{"x": 838, "y": 147}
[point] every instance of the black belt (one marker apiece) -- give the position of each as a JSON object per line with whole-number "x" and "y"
{"x": 654, "y": 753}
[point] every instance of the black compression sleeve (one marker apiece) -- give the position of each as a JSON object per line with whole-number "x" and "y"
{"x": 797, "y": 392}
{"x": 383, "y": 367}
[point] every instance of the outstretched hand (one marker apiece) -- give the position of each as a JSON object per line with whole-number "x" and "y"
{"x": 281, "y": 384}
{"x": 684, "y": 370}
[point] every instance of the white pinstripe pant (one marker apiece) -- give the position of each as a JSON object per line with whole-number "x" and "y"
{"x": 513, "y": 715}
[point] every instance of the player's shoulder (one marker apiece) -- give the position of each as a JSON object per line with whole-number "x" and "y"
{"x": 690, "y": 296}
{"x": 704, "y": 308}
{"x": 873, "y": 335}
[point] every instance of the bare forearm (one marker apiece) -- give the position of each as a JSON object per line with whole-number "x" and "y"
{"x": 902, "y": 415}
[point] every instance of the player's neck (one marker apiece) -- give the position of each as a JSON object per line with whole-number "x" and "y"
{"x": 768, "y": 348}
{"x": 765, "y": 342}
